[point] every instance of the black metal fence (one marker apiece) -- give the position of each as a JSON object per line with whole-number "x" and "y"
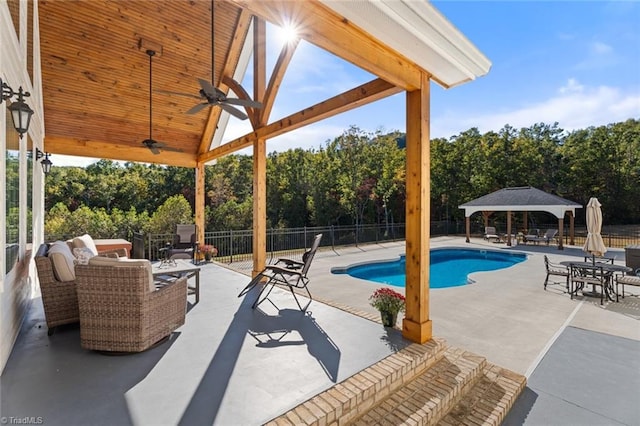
{"x": 237, "y": 246}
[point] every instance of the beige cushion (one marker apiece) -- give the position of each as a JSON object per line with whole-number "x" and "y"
{"x": 85, "y": 241}
{"x": 121, "y": 262}
{"x": 62, "y": 260}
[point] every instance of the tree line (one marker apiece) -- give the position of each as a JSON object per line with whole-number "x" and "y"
{"x": 356, "y": 178}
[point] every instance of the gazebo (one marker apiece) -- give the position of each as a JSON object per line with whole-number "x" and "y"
{"x": 524, "y": 199}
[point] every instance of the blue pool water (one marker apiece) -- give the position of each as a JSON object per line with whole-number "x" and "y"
{"x": 448, "y": 267}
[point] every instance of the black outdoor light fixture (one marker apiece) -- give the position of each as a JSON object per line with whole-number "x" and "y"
{"x": 46, "y": 163}
{"x": 20, "y": 112}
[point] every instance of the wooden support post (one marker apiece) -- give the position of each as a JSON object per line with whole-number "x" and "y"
{"x": 525, "y": 220}
{"x": 571, "y": 229}
{"x": 560, "y": 233}
{"x": 467, "y": 224}
{"x": 199, "y": 202}
{"x": 259, "y": 205}
{"x": 509, "y": 228}
{"x": 416, "y": 325}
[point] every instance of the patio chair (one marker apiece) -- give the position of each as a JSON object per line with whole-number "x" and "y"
{"x": 548, "y": 236}
{"x": 557, "y": 270}
{"x": 532, "y": 235}
{"x": 120, "y": 308}
{"x": 286, "y": 272}
{"x": 595, "y": 275}
{"x": 623, "y": 280}
{"x": 56, "y": 275}
{"x": 185, "y": 243}
{"x": 490, "y": 233}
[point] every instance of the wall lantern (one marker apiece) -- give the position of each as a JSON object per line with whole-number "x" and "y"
{"x": 20, "y": 112}
{"x": 46, "y": 163}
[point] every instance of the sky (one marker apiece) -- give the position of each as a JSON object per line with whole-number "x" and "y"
{"x": 576, "y": 63}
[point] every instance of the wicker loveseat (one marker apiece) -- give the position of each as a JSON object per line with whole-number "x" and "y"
{"x": 120, "y": 309}
{"x": 59, "y": 297}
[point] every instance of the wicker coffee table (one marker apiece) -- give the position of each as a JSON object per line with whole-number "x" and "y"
{"x": 166, "y": 272}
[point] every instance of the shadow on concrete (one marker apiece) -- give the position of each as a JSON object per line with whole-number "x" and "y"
{"x": 271, "y": 331}
{"x": 518, "y": 414}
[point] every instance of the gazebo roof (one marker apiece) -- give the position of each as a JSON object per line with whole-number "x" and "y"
{"x": 522, "y": 198}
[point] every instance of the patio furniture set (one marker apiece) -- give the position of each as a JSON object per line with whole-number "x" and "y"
{"x": 490, "y": 234}
{"x": 115, "y": 299}
{"x": 594, "y": 271}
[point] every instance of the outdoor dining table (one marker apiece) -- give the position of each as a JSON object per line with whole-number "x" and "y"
{"x": 592, "y": 268}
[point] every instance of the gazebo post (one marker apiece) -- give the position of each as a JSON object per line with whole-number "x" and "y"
{"x": 509, "y": 228}
{"x": 571, "y": 231}
{"x": 560, "y": 233}
{"x": 467, "y": 224}
{"x": 525, "y": 221}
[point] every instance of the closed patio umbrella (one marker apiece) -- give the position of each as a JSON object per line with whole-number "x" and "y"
{"x": 594, "y": 243}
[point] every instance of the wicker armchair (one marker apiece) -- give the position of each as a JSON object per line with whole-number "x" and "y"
{"x": 119, "y": 311}
{"x": 59, "y": 298}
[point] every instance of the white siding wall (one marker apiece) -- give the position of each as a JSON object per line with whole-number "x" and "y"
{"x": 17, "y": 286}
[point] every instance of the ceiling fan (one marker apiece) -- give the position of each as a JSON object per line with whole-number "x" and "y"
{"x": 211, "y": 95}
{"x": 153, "y": 145}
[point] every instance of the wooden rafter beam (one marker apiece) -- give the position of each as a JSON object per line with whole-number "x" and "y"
{"x": 242, "y": 94}
{"x": 322, "y": 27}
{"x": 276, "y": 79}
{"x": 369, "y": 92}
{"x": 114, "y": 151}
{"x": 259, "y": 64}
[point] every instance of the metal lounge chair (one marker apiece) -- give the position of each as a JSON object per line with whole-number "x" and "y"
{"x": 490, "y": 233}
{"x": 287, "y": 272}
{"x": 548, "y": 236}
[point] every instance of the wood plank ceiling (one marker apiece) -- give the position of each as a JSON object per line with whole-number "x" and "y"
{"x": 95, "y": 71}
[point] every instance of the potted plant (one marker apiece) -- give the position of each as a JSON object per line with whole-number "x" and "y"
{"x": 389, "y": 303}
{"x": 208, "y": 251}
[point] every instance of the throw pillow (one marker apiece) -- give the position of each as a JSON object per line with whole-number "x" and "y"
{"x": 124, "y": 263}
{"x": 62, "y": 260}
{"x": 85, "y": 241}
{"x": 82, "y": 254}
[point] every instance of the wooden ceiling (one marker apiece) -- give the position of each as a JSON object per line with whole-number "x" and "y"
{"x": 95, "y": 71}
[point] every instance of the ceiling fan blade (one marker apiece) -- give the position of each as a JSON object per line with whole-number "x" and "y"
{"x": 169, "y": 92}
{"x": 233, "y": 111}
{"x": 244, "y": 102}
{"x": 152, "y": 145}
{"x": 208, "y": 88}
{"x": 197, "y": 108}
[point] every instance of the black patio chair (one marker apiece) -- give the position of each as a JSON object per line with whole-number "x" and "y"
{"x": 286, "y": 272}
{"x": 185, "y": 243}
{"x": 556, "y": 269}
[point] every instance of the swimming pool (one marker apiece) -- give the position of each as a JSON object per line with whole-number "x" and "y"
{"x": 449, "y": 267}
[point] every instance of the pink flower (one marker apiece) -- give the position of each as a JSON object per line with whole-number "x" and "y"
{"x": 386, "y": 299}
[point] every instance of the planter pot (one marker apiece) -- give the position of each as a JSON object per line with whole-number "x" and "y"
{"x": 388, "y": 318}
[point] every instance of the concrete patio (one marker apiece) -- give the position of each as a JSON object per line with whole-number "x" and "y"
{"x": 230, "y": 364}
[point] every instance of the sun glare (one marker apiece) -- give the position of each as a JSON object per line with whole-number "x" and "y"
{"x": 287, "y": 33}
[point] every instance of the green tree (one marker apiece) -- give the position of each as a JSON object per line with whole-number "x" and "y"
{"x": 176, "y": 210}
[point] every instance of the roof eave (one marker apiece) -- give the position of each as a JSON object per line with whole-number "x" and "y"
{"x": 421, "y": 33}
